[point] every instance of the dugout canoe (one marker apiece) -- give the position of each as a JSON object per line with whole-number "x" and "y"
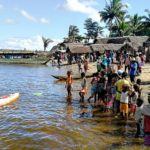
{"x": 4, "y": 100}
{"x": 64, "y": 77}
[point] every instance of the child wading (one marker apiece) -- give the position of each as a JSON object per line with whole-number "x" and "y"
{"x": 69, "y": 83}
{"x": 83, "y": 87}
{"x": 93, "y": 87}
{"x": 146, "y": 113}
{"x": 139, "y": 117}
{"x": 133, "y": 100}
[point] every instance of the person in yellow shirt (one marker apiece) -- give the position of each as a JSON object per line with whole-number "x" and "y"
{"x": 119, "y": 84}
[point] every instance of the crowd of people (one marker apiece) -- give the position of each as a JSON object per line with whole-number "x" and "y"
{"x": 111, "y": 89}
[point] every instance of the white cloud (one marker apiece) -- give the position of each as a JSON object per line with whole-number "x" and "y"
{"x": 30, "y": 17}
{"x": 33, "y": 43}
{"x": 44, "y": 20}
{"x": 9, "y": 21}
{"x": 84, "y": 6}
{"x": 127, "y": 4}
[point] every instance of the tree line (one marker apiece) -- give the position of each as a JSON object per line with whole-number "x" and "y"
{"x": 117, "y": 21}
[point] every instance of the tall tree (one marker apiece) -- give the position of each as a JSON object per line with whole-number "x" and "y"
{"x": 113, "y": 12}
{"x": 46, "y": 42}
{"x": 147, "y": 18}
{"x": 93, "y": 28}
{"x": 73, "y": 33}
{"x": 136, "y": 24}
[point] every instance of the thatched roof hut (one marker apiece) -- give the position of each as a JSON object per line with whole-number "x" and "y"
{"x": 54, "y": 49}
{"x": 103, "y": 47}
{"x": 113, "y": 40}
{"x": 136, "y": 42}
{"x": 79, "y": 50}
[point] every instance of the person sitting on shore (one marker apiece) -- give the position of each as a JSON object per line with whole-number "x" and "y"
{"x": 83, "y": 87}
{"x": 69, "y": 82}
{"x": 139, "y": 118}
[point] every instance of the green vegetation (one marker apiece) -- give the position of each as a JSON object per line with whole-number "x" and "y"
{"x": 46, "y": 42}
{"x": 118, "y": 22}
{"x": 93, "y": 29}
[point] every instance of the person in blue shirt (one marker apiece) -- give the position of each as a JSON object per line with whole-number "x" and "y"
{"x": 133, "y": 70}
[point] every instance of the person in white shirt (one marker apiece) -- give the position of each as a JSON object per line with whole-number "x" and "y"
{"x": 124, "y": 101}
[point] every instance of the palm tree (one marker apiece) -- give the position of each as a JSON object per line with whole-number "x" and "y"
{"x": 147, "y": 18}
{"x": 136, "y": 24}
{"x": 46, "y": 42}
{"x": 113, "y": 11}
{"x": 73, "y": 33}
{"x": 93, "y": 28}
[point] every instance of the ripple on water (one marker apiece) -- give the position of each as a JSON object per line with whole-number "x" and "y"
{"x": 41, "y": 118}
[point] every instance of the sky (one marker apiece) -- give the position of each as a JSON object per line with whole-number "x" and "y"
{"x": 24, "y": 22}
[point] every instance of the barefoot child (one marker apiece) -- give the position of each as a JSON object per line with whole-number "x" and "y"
{"x": 83, "y": 87}
{"x": 133, "y": 99}
{"x": 139, "y": 117}
{"x": 93, "y": 87}
{"x": 124, "y": 101}
{"x": 146, "y": 113}
{"x": 69, "y": 83}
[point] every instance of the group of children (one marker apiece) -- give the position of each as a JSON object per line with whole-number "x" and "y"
{"x": 112, "y": 90}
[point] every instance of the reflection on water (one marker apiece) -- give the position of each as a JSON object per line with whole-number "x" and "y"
{"x": 42, "y": 118}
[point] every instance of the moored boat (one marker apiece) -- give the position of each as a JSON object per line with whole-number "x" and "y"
{"x": 24, "y": 61}
{"x": 4, "y": 100}
{"x": 24, "y": 57}
{"x": 63, "y": 78}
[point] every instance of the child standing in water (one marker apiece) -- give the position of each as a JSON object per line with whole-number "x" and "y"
{"x": 69, "y": 83}
{"x": 139, "y": 117}
{"x": 124, "y": 101}
{"x": 146, "y": 113}
{"x": 83, "y": 87}
{"x": 133, "y": 99}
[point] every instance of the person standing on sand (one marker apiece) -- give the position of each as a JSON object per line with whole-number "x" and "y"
{"x": 85, "y": 66}
{"x": 133, "y": 70}
{"x": 127, "y": 63}
{"x": 69, "y": 82}
{"x": 79, "y": 66}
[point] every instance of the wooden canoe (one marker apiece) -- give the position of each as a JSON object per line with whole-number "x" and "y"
{"x": 64, "y": 77}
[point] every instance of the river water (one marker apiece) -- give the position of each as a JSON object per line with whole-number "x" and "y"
{"x": 41, "y": 118}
